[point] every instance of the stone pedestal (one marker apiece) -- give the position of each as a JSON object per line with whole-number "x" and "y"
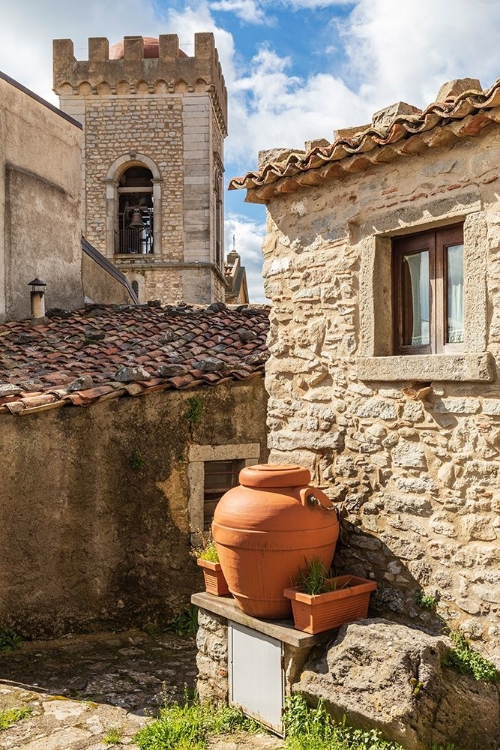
{"x": 212, "y": 641}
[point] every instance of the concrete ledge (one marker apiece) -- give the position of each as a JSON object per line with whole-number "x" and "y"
{"x": 472, "y": 368}
{"x": 282, "y": 630}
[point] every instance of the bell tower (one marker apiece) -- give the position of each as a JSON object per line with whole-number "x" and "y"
{"x": 154, "y": 123}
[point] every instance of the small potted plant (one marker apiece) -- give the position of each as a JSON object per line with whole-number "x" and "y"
{"x": 321, "y": 602}
{"x": 208, "y": 559}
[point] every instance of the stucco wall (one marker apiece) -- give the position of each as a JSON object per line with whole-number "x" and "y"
{"x": 100, "y": 286}
{"x": 417, "y": 481}
{"x": 94, "y": 524}
{"x": 40, "y": 162}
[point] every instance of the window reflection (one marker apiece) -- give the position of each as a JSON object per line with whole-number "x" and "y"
{"x": 455, "y": 310}
{"x": 416, "y": 307}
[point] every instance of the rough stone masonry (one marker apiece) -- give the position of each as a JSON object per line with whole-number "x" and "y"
{"x": 407, "y": 445}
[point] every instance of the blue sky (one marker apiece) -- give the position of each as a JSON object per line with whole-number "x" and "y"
{"x": 295, "y": 69}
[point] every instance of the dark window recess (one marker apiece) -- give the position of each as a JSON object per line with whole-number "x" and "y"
{"x": 428, "y": 292}
{"x": 220, "y": 476}
{"x": 135, "y": 212}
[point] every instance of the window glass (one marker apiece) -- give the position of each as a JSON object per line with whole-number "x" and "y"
{"x": 455, "y": 309}
{"x": 220, "y": 476}
{"x": 416, "y": 307}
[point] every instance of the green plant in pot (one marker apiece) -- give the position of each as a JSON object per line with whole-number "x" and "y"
{"x": 322, "y": 602}
{"x": 208, "y": 559}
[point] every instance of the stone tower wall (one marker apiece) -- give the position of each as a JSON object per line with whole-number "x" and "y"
{"x": 170, "y": 115}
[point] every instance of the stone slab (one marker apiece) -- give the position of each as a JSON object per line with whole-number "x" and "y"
{"x": 282, "y": 630}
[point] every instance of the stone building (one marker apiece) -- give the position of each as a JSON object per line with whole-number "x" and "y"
{"x": 382, "y": 259}
{"x": 40, "y": 201}
{"x": 120, "y": 427}
{"x": 154, "y": 122}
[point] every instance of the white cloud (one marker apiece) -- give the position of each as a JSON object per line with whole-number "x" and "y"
{"x": 406, "y": 52}
{"x": 392, "y": 51}
{"x": 248, "y": 236}
{"x": 249, "y": 11}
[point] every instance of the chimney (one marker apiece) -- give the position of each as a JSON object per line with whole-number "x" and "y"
{"x": 37, "y": 298}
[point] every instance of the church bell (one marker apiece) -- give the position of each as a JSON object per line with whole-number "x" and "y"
{"x": 137, "y": 222}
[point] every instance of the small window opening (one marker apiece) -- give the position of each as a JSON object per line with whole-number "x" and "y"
{"x": 220, "y": 476}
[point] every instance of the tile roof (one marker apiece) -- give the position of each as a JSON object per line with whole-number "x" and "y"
{"x": 440, "y": 124}
{"x": 106, "y": 351}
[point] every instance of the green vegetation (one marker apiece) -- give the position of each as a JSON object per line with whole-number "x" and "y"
{"x": 190, "y": 725}
{"x": 137, "y": 461}
{"x": 194, "y": 410}
{"x": 113, "y": 737}
{"x": 11, "y": 715}
{"x": 207, "y": 552}
{"x": 9, "y": 640}
{"x": 186, "y": 622}
{"x": 426, "y": 601}
{"x": 314, "y": 579}
{"x": 314, "y": 729}
{"x": 467, "y": 660}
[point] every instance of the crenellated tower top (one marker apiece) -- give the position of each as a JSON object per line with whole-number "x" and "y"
{"x": 138, "y": 66}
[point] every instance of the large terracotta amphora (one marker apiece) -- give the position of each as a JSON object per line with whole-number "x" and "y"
{"x": 268, "y": 528}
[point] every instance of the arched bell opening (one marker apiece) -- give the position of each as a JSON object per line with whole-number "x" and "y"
{"x": 135, "y": 212}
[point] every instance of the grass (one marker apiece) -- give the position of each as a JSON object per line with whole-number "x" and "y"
{"x": 12, "y": 715}
{"x": 314, "y": 729}
{"x": 189, "y": 726}
{"x": 314, "y": 579}
{"x": 9, "y": 640}
{"x": 467, "y": 660}
{"x": 113, "y": 737}
{"x": 186, "y": 622}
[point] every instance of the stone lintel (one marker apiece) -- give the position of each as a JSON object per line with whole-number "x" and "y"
{"x": 470, "y": 368}
{"x": 282, "y": 630}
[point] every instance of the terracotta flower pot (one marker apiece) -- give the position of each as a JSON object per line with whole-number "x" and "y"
{"x": 215, "y": 583}
{"x": 266, "y": 529}
{"x": 314, "y": 614}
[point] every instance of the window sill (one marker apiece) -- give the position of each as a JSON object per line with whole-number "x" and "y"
{"x": 473, "y": 367}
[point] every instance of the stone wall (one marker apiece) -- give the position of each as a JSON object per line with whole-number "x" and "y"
{"x": 95, "y": 525}
{"x": 414, "y": 469}
{"x": 40, "y": 162}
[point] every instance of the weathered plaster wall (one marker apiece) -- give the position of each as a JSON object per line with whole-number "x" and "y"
{"x": 94, "y": 527}
{"x": 417, "y": 481}
{"x": 40, "y": 162}
{"x": 100, "y": 286}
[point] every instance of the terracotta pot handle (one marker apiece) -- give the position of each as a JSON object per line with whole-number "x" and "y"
{"x": 309, "y": 500}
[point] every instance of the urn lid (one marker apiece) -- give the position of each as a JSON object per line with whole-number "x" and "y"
{"x": 275, "y": 475}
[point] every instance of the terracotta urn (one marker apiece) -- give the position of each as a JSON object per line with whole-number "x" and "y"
{"x": 268, "y": 528}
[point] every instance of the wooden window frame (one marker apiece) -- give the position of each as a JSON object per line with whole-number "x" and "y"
{"x": 436, "y": 242}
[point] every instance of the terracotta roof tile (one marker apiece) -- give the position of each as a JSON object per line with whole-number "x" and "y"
{"x": 461, "y": 116}
{"x": 50, "y": 363}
